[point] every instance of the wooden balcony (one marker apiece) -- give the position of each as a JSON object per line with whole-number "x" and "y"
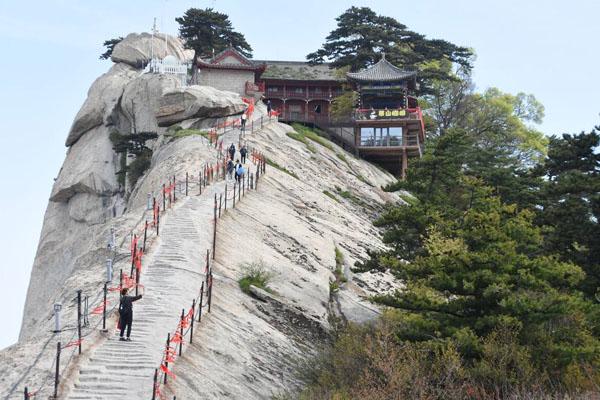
{"x": 306, "y": 96}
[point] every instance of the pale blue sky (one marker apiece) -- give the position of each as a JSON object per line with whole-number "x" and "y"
{"x": 50, "y": 54}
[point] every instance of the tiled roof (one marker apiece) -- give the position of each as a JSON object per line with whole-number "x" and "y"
{"x": 298, "y": 70}
{"x": 382, "y": 71}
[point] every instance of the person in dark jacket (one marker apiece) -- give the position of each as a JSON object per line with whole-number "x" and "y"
{"x": 126, "y": 312}
{"x": 231, "y": 151}
{"x": 243, "y": 152}
{"x": 229, "y": 168}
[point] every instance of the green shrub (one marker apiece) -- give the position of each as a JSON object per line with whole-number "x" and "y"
{"x": 255, "y": 274}
{"x": 330, "y": 195}
{"x": 137, "y": 168}
{"x": 370, "y": 362}
{"x": 179, "y": 132}
{"x": 282, "y": 169}
{"x": 303, "y": 132}
{"x": 339, "y": 266}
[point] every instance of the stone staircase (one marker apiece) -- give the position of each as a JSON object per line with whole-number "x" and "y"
{"x": 172, "y": 276}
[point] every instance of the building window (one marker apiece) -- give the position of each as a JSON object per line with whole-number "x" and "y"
{"x": 295, "y": 108}
{"x": 273, "y": 89}
{"x": 318, "y": 90}
{"x": 298, "y": 90}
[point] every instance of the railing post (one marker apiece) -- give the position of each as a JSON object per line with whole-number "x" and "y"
{"x": 137, "y": 280}
{"x": 234, "y": 195}
{"x": 239, "y": 182}
{"x": 186, "y": 183}
{"x": 181, "y": 331}
{"x": 155, "y": 384}
{"x": 220, "y": 201}
{"x": 57, "y": 371}
{"x": 157, "y": 219}
{"x": 214, "y": 228}
{"x": 207, "y": 267}
{"x": 251, "y": 177}
{"x": 164, "y": 197}
{"x": 243, "y": 179}
{"x": 133, "y": 254}
{"x": 200, "y": 182}
{"x": 79, "y": 318}
{"x": 166, "y": 353}
{"x": 201, "y": 298}
{"x": 104, "y": 308}
{"x": 210, "y": 290}
{"x": 145, "y": 235}
{"x": 248, "y": 183}
{"x": 26, "y": 393}
{"x": 225, "y": 196}
{"x": 174, "y": 188}
{"x": 192, "y": 321}
{"x": 120, "y": 281}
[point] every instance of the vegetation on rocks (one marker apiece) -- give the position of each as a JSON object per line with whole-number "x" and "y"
{"x": 110, "y": 45}
{"x": 282, "y": 169}
{"x": 179, "y": 132}
{"x": 255, "y": 274}
{"x": 134, "y": 144}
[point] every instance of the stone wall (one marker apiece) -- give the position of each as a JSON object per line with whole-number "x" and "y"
{"x": 233, "y": 81}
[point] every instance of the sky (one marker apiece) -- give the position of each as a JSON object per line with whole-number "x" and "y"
{"x": 50, "y": 50}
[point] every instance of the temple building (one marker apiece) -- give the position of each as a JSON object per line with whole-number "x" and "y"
{"x": 231, "y": 71}
{"x": 386, "y": 126}
{"x": 301, "y": 92}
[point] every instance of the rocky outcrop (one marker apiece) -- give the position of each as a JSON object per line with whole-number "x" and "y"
{"x": 138, "y": 48}
{"x": 197, "y": 102}
{"x": 88, "y": 168}
{"x": 140, "y": 101}
{"x": 103, "y": 98}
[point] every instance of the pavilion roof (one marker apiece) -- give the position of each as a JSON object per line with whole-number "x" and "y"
{"x": 382, "y": 71}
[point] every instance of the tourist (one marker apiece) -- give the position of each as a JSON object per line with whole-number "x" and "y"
{"x": 126, "y": 313}
{"x": 244, "y": 117}
{"x": 231, "y": 151}
{"x": 243, "y": 152}
{"x": 269, "y": 108}
{"x": 229, "y": 168}
{"x": 239, "y": 171}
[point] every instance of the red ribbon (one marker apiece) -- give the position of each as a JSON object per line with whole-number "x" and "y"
{"x": 167, "y": 371}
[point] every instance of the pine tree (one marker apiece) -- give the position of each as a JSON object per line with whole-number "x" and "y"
{"x": 570, "y": 203}
{"x": 207, "y": 32}
{"x": 110, "y": 46}
{"x": 362, "y": 35}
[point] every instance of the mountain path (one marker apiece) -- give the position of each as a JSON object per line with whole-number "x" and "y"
{"x": 171, "y": 277}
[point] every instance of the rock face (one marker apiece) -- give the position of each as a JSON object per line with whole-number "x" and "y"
{"x": 88, "y": 168}
{"x": 197, "y": 102}
{"x": 137, "y": 49}
{"x": 103, "y": 98}
{"x": 141, "y": 98}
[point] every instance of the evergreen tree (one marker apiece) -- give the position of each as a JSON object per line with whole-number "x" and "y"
{"x": 110, "y": 46}
{"x": 484, "y": 270}
{"x": 569, "y": 203}
{"x": 207, "y": 32}
{"x": 362, "y": 35}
